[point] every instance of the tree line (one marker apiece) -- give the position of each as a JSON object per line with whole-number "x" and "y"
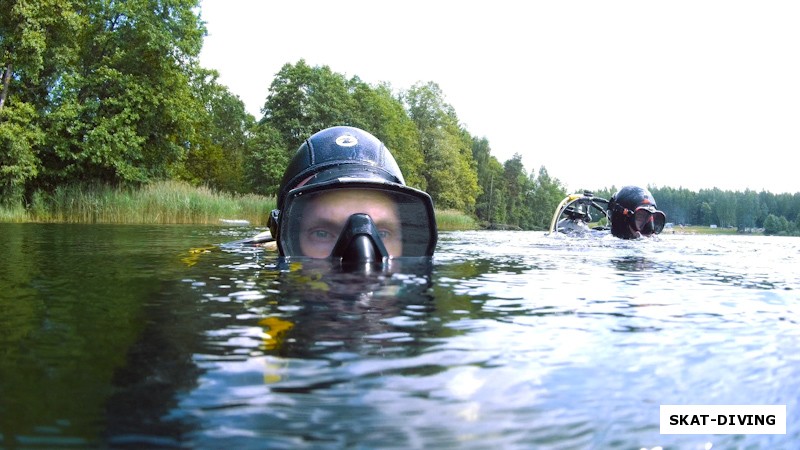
{"x": 748, "y": 210}
{"x": 113, "y": 93}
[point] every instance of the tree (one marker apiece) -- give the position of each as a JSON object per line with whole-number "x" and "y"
{"x": 124, "y": 111}
{"x": 516, "y": 187}
{"x": 490, "y": 205}
{"x": 452, "y": 182}
{"x": 266, "y": 159}
{"x": 303, "y": 100}
{"x": 449, "y": 170}
{"x": 722, "y": 206}
{"x": 705, "y": 214}
{"x": 217, "y": 154}
{"x": 19, "y": 137}
{"x": 36, "y": 42}
{"x": 775, "y": 225}
{"x": 376, "y": 110}
{"x": 547, "y": 193}
{"x": 678, "y": 204}
{"x": 748, "y": 210}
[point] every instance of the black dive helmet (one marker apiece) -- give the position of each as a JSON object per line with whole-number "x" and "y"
{"x": 633, "y": 213}
{"x": 343, "y": 196}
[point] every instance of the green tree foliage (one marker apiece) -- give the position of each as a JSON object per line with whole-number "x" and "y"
{"x": 746, "y": 210}
{"x": 303, "y": 100}
{"x": 266, "y": 159}
{"x": 109, "y": 84}
{"x": 517, "y": 187}
{"x": 37, "y": 40}
{"x": 547, "y": 193}
{"x": 125, "y": 111}
{"x": 222, "y": 139}
{"x": 491, "y": 205}
{"x": 775, "y": 225}
{"x": 449, "y": 170}
{"x": 19, "y": 137}
{"x": 705, "y": 214}
{"x": 680, "y": 205}
{"x": 383, "y": 114}
{"x": 36, "y": 43}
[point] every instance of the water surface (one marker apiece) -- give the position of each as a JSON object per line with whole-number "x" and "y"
{"x": 153, "y": 336}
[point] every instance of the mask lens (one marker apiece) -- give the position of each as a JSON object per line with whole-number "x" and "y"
{"x": 649, "y": 221}
{"x": 659, "y": 220}
{"x": 314, "y": 219}
{"x": 641, "y": 219}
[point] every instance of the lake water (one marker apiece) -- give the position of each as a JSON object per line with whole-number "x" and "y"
{"x": 155, "y": 337}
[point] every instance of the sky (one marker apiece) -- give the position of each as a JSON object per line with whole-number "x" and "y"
{"x": 694, "y": 94}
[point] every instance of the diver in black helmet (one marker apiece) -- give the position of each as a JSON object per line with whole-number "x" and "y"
{"x": 343, "y": 197}
{"x": 633, "y": 213}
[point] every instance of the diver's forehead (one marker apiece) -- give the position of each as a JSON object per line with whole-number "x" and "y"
{"x": 344, "y": 202}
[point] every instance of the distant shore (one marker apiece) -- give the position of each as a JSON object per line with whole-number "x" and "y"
{"x": 167, "y": 202}
{"x": 171, "y": 202}
{"x": 696, "y": 229}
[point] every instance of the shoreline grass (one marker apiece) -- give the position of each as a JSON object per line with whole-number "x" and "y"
{"x": 453, "y": 220}
{"x": 165, "y": 202}
{"x": 696, "y": 229}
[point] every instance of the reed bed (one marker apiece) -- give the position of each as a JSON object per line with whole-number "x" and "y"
{"x": 164, "y": 202}
{"x": 13, "y": 214}
{"x": 453, "y": 220}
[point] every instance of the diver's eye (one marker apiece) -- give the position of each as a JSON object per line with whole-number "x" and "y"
{"x": 320, "y": 235}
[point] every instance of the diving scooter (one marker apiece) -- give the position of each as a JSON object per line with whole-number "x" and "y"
{"x": 574, "y": 214}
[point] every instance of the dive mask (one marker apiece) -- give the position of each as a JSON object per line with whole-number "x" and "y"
{"x": 644, "y": 219}
{"x": 352, "y": 218}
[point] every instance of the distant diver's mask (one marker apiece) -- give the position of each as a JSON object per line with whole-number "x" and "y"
{"x": 646, "y": 220}
{"x": 349, "y": 219}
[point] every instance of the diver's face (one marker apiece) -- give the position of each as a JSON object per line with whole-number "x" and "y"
{"x": 325, "y": 216}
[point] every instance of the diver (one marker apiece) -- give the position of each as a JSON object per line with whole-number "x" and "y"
{"x": 573, "y": 214}
{"x": 344, "y": 197}
{"x": 633, "y": 213}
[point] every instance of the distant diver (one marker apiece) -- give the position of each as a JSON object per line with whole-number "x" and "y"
{"x": 629, "y": 214}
